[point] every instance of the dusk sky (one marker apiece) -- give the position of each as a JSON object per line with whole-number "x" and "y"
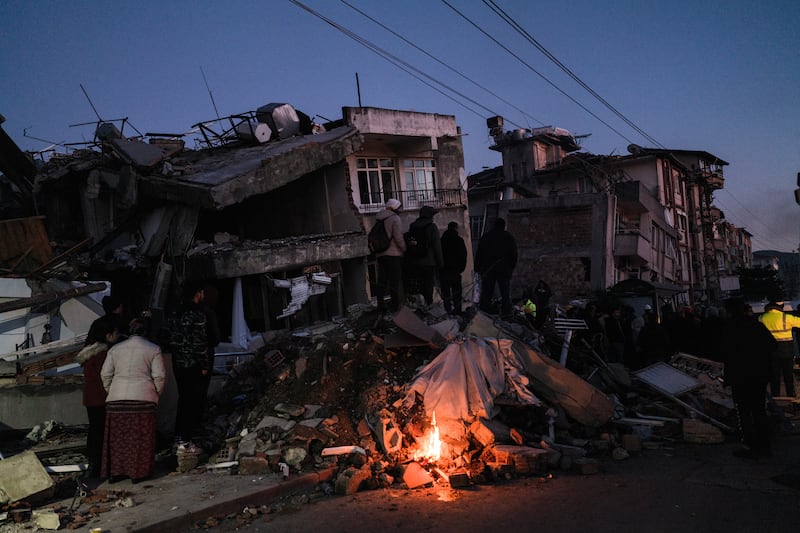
{"x": 718, "y": 76}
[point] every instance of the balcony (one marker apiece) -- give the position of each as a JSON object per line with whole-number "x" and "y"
{"x": 632, "y": 246}
{"x": 438, "y": 198}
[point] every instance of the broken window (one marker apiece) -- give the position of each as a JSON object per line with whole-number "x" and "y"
{"x": 375, "y": 180}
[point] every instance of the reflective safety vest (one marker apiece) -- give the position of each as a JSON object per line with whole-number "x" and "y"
{"x": 529, "y": 308}
{"x": 780, "y": 324}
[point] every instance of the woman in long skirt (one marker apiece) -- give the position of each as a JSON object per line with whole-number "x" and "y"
{"x": 133, "y": 374}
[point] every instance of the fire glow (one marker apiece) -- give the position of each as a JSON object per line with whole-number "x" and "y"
{"x": 429, "y": 447}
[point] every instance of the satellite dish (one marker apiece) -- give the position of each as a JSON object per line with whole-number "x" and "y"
{"x": 634, "y": 148}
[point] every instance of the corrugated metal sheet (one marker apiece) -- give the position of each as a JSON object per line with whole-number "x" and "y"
{"x": 24, "y": 245}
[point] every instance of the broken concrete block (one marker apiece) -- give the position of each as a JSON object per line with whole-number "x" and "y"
{"x": 290, "y": 409}
{"x": 46, "y": 519}
{"x": 275, "y": 422}
{"x": 620, "y": 454}
{"x": 351, "y": 479}
{"x": 699, "y": 432}
{"x": 415, "y": 476}
{"x": 21, "y": 476}
{"x": 295, "y": 456}
{"x": 253, "y": 466}
{"x": 459, "y": 479}
{"x": 632, "y": 442}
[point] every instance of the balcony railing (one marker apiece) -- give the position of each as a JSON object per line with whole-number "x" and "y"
{"x": 416, "y": 199}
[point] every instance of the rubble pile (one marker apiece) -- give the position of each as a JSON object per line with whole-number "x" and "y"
{"x": 367, "y": 396}
{"x": 428, "y": 399}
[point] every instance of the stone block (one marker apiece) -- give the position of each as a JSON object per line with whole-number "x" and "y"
{"x": 21, "y": 476}
{"x": 253, "y": 466}
{"x": 349, "y": 481}
{"x": 415, "y": 476}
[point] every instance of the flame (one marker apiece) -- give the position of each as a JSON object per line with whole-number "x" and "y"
{"x": 429, "y": 446}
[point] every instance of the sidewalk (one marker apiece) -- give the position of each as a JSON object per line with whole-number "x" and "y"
{"x": 175, "y": 502}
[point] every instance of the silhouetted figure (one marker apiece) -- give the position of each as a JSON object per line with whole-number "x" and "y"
{"x": 747, "y": 346}
{"x": 454, "y": 255}
{"x": 390, "y": 261}
{"x": 495, "y": 261}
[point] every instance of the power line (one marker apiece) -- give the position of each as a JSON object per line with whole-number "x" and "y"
{"x": 403, "y": 65}
{"x": 511, "y": 22}
{"x": 444, "y": 64}
{"x": 552, "y": 84}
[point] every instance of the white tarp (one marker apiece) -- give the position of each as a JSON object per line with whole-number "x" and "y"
{"x": 462, "y": 382}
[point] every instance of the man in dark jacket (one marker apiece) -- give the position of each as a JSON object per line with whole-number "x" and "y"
{"x": 747, "y": 345}
{"x": 454, "y": 253}
{"x": 425, "y": 266}
{"x": 495, "y": 261}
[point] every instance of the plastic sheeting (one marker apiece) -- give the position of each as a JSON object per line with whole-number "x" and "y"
{"x": 462, "y": 382}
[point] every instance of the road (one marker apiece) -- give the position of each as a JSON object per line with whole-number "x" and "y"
{"x": 684, "y": 488}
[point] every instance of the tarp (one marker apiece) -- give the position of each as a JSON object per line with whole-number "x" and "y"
{"x": 462, "y": 382}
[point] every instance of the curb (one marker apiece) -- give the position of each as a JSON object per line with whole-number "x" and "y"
{"x": 235, "y": 505}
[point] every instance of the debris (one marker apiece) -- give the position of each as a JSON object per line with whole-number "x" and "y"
{"x": 21, "y": 476}
{"x": 415, "y": 476}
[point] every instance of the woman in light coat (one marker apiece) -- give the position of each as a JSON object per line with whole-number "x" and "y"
{"x": 133, "y": 374}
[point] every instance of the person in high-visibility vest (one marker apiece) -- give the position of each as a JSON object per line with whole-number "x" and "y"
{"x": 780, "y": 324}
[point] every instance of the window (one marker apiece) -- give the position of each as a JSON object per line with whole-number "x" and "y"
{"x": 375, "y": 180}
{"x": 419, "y": 176}
{"x": 476, "y": 226}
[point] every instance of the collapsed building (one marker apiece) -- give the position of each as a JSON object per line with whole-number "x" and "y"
{"x": 270, "y": 210}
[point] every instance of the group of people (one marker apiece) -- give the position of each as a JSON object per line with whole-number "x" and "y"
{"x": 442, "y": 257}
{"x": 125, "y": 373}
{"x": 758, "y": 353}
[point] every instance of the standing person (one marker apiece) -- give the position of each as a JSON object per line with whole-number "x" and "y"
{"x": 495, "y": 261}
{"x": 541, "y": 297}
{"x": 780, "y": 324}
{"x": 746, "y": 347}
{"x": 425, "y": 258}
{"x": 133, "y": 375}
{"x": 454, "y": 255}
{"x": 616, "y": 334}
{"x": 91, "y": 358}
{"x": 190, "y": 361}
{"x": 113, "y": 314}
{"x": 390, "y": 261}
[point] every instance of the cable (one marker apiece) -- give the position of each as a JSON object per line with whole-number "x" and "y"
{"x": 443, "y": 63}
{"x": 511, "y": 22}
{"x": 399, "y": 62}
{"x": 556, "y": 87}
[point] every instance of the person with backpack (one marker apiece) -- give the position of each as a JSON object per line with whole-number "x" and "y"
{"x": 390, "y": 258}
{"x": 454, "y": 252}
{"x": 424, "y": 251}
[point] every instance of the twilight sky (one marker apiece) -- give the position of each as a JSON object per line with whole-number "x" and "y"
{"x": 721, "y": 76}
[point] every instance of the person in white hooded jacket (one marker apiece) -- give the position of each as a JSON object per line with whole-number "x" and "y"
{"x": 134, "y": 375}
{"x": 390, "y": 261}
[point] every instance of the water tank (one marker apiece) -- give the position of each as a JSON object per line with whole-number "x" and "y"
{"x": 281, "y": 118}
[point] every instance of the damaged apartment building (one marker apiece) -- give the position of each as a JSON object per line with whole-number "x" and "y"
{"x": 638, "y": 224}
{"x": 269, "y": 209}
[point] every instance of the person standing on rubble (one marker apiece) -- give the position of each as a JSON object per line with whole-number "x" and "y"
{"x": 495, "y": 261}
{"x": 190, "y": 342}
{"x": 780, "y": 324}
{"x": 390, "y": 261}
{"x": 746, "y": 346}
{"x": 91, "y": 359}
{"x": 454, "y": 255}
{"x": 133, "y": 374}
{"x": 428, "y": 261}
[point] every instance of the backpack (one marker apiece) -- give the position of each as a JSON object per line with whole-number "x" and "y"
{"x": 377, "y": 239}
{"x": 416, "y": 242}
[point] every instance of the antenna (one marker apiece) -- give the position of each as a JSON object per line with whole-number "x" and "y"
{"x": 91, "y": 104}
{"x": 209, "y": 93}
